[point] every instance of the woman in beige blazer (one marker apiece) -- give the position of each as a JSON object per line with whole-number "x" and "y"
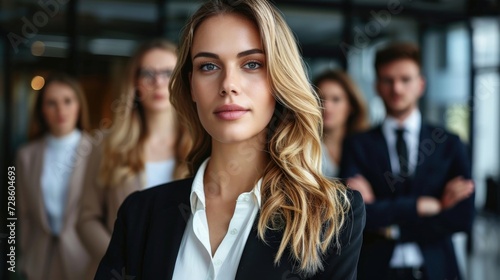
{"x": 50, "y": 180}
{"x": 144, "y": 147}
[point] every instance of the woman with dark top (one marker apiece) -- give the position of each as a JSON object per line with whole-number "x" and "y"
{"x": 344, "y": 113}
{"x": 256, "y": 205}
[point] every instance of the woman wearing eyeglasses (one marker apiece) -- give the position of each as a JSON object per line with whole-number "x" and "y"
{"x": 145, "y": 147}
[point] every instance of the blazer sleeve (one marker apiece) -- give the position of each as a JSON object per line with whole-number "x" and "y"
{"x": 114, "y": 261}
{"x": 348, "y": 161}
{"x": 25, "y": 219}
{"x": 91, "y": 221}
{"x": 342, "y": 261}
{"x": 387, "y": 212}
{"x": 456, "y": 219}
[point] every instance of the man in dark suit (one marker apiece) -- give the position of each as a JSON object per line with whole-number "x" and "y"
{"x": 414, "y": 179}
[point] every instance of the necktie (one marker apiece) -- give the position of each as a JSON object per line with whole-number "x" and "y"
{"x": 402, "y": 152}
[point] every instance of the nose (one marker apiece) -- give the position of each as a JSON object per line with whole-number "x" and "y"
{"x": 328, "y": 103}
{"x": 397, "y": 87}
{"x": 59, "y": 108}
{"x": 159, "y": 80}
{"x": 59, "y": 111}
{"x": 230, "y": 82}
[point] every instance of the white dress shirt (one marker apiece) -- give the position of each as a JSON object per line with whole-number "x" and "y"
{"x": 405, "y": 254}
{"x": 159, "y": 172}
{"x": 58, "y": 163}
{"x": 194, "y": 260}
{"x": 329, "y": 168}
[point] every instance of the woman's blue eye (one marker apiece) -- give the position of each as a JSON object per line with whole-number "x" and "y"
{"x": 253, "y": 65}
{"x": 208, "y": 67}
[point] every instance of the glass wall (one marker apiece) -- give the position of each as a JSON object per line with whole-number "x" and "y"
{"x": 486, "y": 103}
{"x": 446, "y": 59}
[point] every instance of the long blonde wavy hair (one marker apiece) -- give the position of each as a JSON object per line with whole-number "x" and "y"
{"x": 297, "y": 200}
{"x": 123, "y": 155}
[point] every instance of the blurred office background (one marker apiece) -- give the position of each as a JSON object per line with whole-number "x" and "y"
{"x": 460, "y": 41}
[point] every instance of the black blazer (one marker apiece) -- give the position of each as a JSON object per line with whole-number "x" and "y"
{"x": 441, "y": 157}
{"x": 150, "y": 225}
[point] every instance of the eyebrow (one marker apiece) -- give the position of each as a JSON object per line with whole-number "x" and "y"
{"x": 249, "y": 52}
{"x": 241, "y": 54}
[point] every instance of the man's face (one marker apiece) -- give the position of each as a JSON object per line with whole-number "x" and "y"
{"x": 400, "y": 86}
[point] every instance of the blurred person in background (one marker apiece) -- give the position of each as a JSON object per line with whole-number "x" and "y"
{"x": 415, "y": 179}
{"x": 146, "y": 146}
{"x": 344, "y": 113}
{"x": 50, "y": 173}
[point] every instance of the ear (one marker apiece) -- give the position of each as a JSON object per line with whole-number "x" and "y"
{"x": 422, "y": 85}
{"x": 377, "y": 86}
{"x": 190, "y": 75}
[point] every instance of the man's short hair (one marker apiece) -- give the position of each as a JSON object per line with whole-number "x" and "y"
{"x": 397, "y": 51}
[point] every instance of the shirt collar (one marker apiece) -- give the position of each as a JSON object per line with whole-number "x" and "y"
{"x": 197, "y": 197}
{"x": 411, "y": 124}
{"x": 65, "y": 141}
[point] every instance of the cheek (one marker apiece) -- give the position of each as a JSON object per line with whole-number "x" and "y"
{"x": 143, "y": 95}
{"x": 417, "y": 89}
{"x": 202, "y": 102}
{"x": 344, "y": 108}
{"x": 199, "y": 89}
{"x": 75, "y": 108}
{"x": 204, "y": 115}
{"x": 204, "y": 91}
{"x": 382, "y": 89}
{"x": 193, "y": 92}
{"x": 330, "y": 106}
{"x": 271, "y": 107}
{"x": 49, "y": 113}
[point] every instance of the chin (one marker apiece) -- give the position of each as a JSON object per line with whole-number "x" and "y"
{"x": 159, "y": 107}
{"x": 400, "y": 110}
{"x": 234, "y": 136}
{"x": 228, "y": 137}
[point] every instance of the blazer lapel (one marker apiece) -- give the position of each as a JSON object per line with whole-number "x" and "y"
{"x": 38, "y": 192}
{"x": 257, "y": 259}
{"x": 424, "y": 158}
{"x": 166, "y": 229}
{"x": 382, "y": 150}
{"x": 394, "y": 184}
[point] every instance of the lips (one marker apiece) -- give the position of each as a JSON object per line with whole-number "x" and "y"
{"x": 230, "y": 112}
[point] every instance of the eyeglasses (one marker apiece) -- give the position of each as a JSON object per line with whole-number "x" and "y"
{"x": 149, "y": 77}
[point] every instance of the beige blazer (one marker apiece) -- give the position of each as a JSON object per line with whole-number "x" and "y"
{"x": 43, "y": 255}
{"x": 99, "y": 209}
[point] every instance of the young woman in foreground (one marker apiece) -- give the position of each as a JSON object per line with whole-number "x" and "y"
{"x": 258, "y": 206}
